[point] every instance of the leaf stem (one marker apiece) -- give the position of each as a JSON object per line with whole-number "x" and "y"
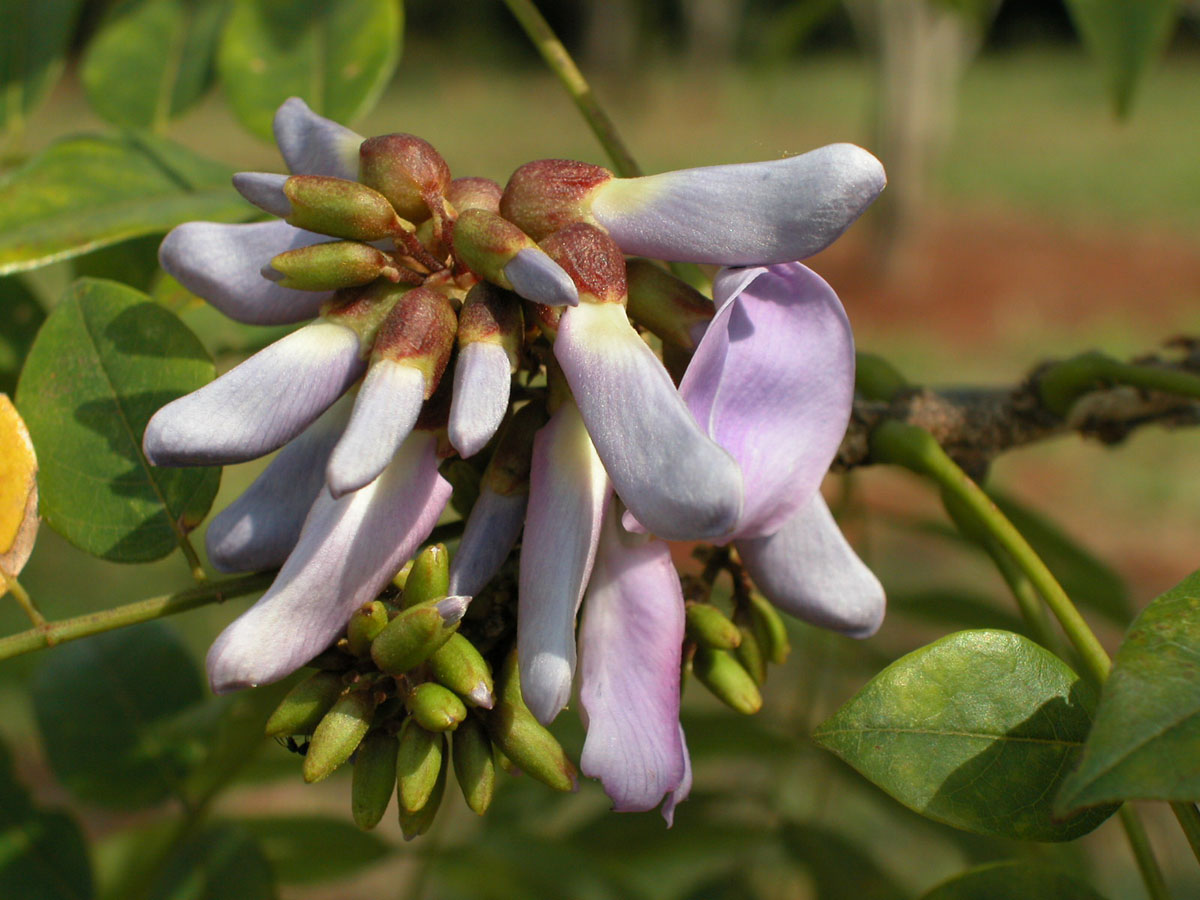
{"x": 1064, "y": 382}
{"x": 22, "y": 597}
{"x": 50, "y": 634}
{"x": 193, "y": 560}
{"x": 1152, "y": 876}
{"x": 563, "y": 66}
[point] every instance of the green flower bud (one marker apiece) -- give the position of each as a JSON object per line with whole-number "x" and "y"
{"x": 418, "y": 763}
{"x": 474, "y": 766}
{"x": 462, "y": 668}
{"x": 341, "y": 208}
{"x": 708, "y": 626}
{"x": 436, "y": 708}
{"x": 414, "y": 635}
{"x": 720, "y": 672}
{"x": 415, "y": 824}
{"x": 338, "y": 734}
{"x": 305, "y": 705}
{"x": 750, "y": 652}
{"x": 330, "y": 266}
{"x": 670, "y": 308}
{"x": 364, "y": 626}
{"x": 408, "y": 171}
{"x": 770, "y": 630}
{"x": 522, "y": 737}
{"x": 486, "y": 243}
{"x": 374, "y": 778}
{"x": 428, "y": 578}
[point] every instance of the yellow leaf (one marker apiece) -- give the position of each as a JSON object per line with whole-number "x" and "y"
{"x": 18, "y": 489}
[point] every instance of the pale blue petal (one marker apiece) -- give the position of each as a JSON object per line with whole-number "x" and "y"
{"x": 491, "y": 532}
{"x": 314, "y": 145}
{"x": 535, "y": 276}
{"x": 264, "y": 190}
{"x": 482, "y": 378}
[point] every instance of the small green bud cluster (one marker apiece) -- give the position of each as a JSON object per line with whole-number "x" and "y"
{"x": 405, "y": 695}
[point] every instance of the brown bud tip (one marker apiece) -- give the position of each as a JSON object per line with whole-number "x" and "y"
{"x": 474, "y": 193}
{"x": 419, "y": 331}
{"x": 592, "y": 259}
{"x": 405, "y": 169}
{"x": 543, "y": 196}
{"x": 494, "y": 315}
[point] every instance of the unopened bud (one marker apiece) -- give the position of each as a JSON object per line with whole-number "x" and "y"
{"x": 493, "y": 316}
{"x": 338, "y": 734}
{"x": 474, "y": 766}
{"x": 429, "y": 577}
{"x": 411, "y": 638}
{"x": 522, "y": 737}
{"x": 543, "y": 196}
{"x": 374, "y": 778}
{"x": 750, "y": 652}
{"x": 721, "y": 673}
{"x": 419, "y": 331}
{"x": 418, "y": 762}
{"x": 593, "y": 261}
{"x": 709, "y": 627}
{"x": 436, "y": 708}
{"x": 462, "y": 668}
{"x": 340, "y": 208}
{"x": 498, "y": 251}
{"x": 670, "y": 308}
{"x": 364, "y": 626}
{"x": 305, "y": 705}
{"x": 415, "y": 824}
{"x": 770, "y": 630}
{"x": 406, "y": 170}
{"x": 329, "y": 266}
{"x": 474, "y": 193}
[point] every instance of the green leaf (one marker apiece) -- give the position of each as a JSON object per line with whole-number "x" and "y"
{"x": 133, "y": 263}
{"x": 152, "y": 59}
{"x": 1012, "y": 881}
{"x": 837, "y": 867}
{"x": 34, "y": 35}
{"x": 336, "y": 54}
{"x": 1124, "y": 36}
{"x": 89, "y": 191}
{"x": 975, "y": 730}
{"x": 1146, "y": 740}
{"x": 98, "y": 705}
{"x": 220, "y": 863}
{"x": 20, "y": 318}
{"x": 307, "y": 849}
{"x": 102, "y": 365}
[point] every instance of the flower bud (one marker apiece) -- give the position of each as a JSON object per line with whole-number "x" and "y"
{"x": 305, "y": 705}
{"x": 474, "y": 766}
{"x": 418, "y": 763}
{"x": 593, "y": 261}
{"x": 411, "y": 638}
{"x": 340, "y": 208}
{"x": 330, "y": 266}
{"x": 770, "y": 630}
{"x": 523, "y": 739}
{"x": 543, "y": 196}
{"x": 406, "y": 170}
{"x": 474, "y": 193}
{"x": 374, "y": 778}
{"x": 338, "y": 734}
{"x": 428, "y": 578}
{"x": 364, "y": 626}
{"x": 750, "y": 652}
{"x": 415, "y": 824}
{"x": 709, "y": 627}
{"x": 435, "y": 708}
{"x": 462, "y": 668}
{"x": 419, "y": 331}
{"x": 667, "y": 306}
{"x": 363, "y": 309}
{"x": 492, "y": 316}
{"x": 721, "y": 673}
{"x": 498, "y": 251}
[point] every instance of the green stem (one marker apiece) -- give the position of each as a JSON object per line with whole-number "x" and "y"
{"x": 22, "y": 597}
{"x": 1189, "y": 821}
{"x": 1064, "y": 382}
{"x": 51, "y": 634}
{"x": 1027, "y": 599}
{"x": 560, "y": 62}
{"x": 189, "y": 553}
{"x": 1152, "y": 876}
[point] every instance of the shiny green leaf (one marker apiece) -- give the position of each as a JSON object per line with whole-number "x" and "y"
{"x": 1124, "y": 36}
{"x": 976, "y": 730}
{"x": 1012, "y": 881}
{"x": 20, "y": 318}
{"x": 223, "y": 862}
{"x": 34, "y": 35}
{"x": 98, "y": 704}
{"x": 90, "y": 191}
{"x": 1146, "y": 740}
{"x": 102, "y": 365}
{"x": 336, "y": 54}
{"x": 307, "y": 849}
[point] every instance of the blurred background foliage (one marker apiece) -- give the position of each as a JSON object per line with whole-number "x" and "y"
{"x": 1024, "y": 220}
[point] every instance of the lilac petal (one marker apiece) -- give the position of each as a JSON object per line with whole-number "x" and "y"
{"x": 264, "y": 190}
{"x": 259, "y": 529}
{"x": 482, "y": 377}
{"x": 773, "y": 382}
{"x": 492, "y": 530}
{"x": 736, "y": 215}
{"x": 808, "y": 569}
{"x": 629, "y": 645}
{"x": 384, "y": 415}
{"x": 314, "y": 145}
{"x": 675, "y": 481}
{"x": 535, "y": 276}
{"x": 348, "y": 551}
{"x": 681, "y": 792}
{"x": 568, "y": 491}
{"x": 222, "y": 264}
{"x": 259, "y": 405}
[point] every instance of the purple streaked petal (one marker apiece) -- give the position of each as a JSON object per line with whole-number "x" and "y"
{"x": 568, "y": 491}
{"x": 482, "y": 378}
{"x": 348, "y": 551}
{"x": 773, "y": 382}
{"x": 259, "y": 529}
{"x": 752, "y": 213}
{"x": 808, "y": 569}
{"x": 223, "y": 263}
{"x": 629, "y": 645}
{"x": 384, "y": 415}
{"x": 676, "y": 481}
{"x": 264, "y": 190}
{"x": 535, "y": 276}
{"x": 680, "y": 793}
{"x": 492, "y": 530}
{"x": 314, "y": 145}
{"x": 259, "y": 405}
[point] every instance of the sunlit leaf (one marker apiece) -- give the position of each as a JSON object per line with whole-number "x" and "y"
{"x": 18, "y": 492}
{"x": 102, "y": 365}
{"x": 34, "y": 35}
{"x": 1012, "y": 881}
{"x": 1125, "y": 36}
{"x": 976, "y": 730}
{"x": 1146, "y": 740}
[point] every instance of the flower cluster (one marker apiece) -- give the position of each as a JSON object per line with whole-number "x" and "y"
{"x": 507, "y": 326}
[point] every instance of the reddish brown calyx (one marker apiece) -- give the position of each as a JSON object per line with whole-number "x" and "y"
{"x": 593, "y": 261}
{"x": 549, "y": 194}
